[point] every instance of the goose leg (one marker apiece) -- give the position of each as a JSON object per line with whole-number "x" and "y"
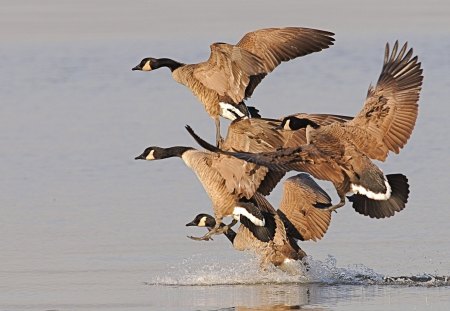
{"x": 336, "y": 206}
{"x": 206, "y": 237}
{"x": 224, "y": 229}
{"x": 219, "y": 139}
{"x": 219, "y": 228}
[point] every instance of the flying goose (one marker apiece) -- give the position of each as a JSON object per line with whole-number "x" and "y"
{"x": 264, "y": 134}
{"x": 227, "y": 180}
{"x": 384, "y": 124}
{"x": 300, "y": 217}
{"x": 232, "y": 72}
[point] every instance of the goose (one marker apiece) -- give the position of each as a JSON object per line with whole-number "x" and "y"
{"x": 227, "y": 180}
{"x": 300, "y": 217}
{"x": 232, "y": 72}
{"x": 384, "y": 124}
{"x": 264, "y": 134}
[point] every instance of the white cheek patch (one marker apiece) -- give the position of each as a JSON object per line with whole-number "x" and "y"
{"x": 147, "y": 66}
{"x": 230, "y": 112}
{"x": 237, "y": 211}
{"x": 372, "y": 195}
{"x": 287, "y": 125}
{"x": 202, "y": 222}
{"x": 150, "y": 156}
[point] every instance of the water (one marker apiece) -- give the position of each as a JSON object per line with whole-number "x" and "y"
{"x": 85, "y": 227}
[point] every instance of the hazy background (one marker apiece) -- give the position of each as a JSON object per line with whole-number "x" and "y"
{"x": 83, "y": 225}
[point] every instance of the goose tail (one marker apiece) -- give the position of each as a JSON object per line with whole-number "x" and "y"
{"x": 384, "y": 208}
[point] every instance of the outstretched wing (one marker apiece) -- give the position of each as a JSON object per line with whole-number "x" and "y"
{"x": 276, "y": 45}
{"x": 390, "y": 111}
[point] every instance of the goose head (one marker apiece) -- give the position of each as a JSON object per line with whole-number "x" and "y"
{"x": 293, "y": 123}
{"x": 202, "y": 220}
{"x": 147, "y": 64}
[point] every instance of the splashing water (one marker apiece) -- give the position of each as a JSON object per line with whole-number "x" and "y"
{"x": 199, "y": 271}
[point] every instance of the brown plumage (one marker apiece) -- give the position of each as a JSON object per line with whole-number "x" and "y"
{"x": 232, "y": 72}
{"x": 385, "y": 123}
{"x": 225, "y": 179}
{"x": 300, "y": 217}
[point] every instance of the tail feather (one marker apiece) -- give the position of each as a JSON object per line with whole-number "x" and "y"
{"x": 384, "y": 208}
{"x": 200, "y": 141}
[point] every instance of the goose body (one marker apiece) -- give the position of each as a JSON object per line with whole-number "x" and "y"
{"x": 225, "y": 179}
{"x": 232, "y": 72}
{"x": 300, "y": 217}
{"x": 342, "y": 152}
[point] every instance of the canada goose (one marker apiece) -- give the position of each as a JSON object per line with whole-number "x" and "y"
{"x": 277, "y": 251}
{"x": 300, "y": 217}
{"x": 232, "y": 72}
{"x": 263, "y": 134}
{"x": 384, "y": 124}
{"x": 226, "y": 179}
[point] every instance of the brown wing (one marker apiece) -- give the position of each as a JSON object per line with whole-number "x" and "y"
{"x": 390, "y": 111}
{"x": 228, "y": 70}
{"x": 276, "y": 45}
{"x": 301, "y": 205}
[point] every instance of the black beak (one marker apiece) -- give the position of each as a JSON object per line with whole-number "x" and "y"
{"x": 279, "y": 127}
{"x": 192, "y": 223}
{"x": 138, "y": 67}
{"x": 140, "y": 157}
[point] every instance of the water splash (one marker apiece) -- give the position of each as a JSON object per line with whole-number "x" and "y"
{"x": 199, "y": 271}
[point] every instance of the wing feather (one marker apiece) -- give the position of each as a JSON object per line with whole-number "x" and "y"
{"x": 228, "y": 70}
{"x": 301, "y": 205}
{"x": 390, "y": 111}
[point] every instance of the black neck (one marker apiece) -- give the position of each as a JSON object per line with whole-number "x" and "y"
{"x": 166, "y": 62}
{"x": 174, "y": 152}
{"x": 298, "y": 123}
